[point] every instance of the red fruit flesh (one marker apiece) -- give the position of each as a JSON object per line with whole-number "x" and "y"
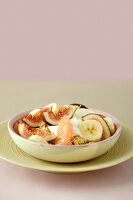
{"x": 65, "y": 132}
{"x": 26, "y": 131}
{"x": 53, "y": 118}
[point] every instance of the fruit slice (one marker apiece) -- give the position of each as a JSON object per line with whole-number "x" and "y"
{"x": 82, "y": 112}
{"x": 91, "y": 130}
{"x": 79, "y": 105}
{"x": 53, "y": 107}
{"x": 15, "y": 126}
{"x": 111, "y": 124}
{"x": 53, "y": 118}
{"x": 37, "y": 138}
{"x": 26, "y": 131}
{"x": 106, "y": 131}
{"x": 34, "y": 118}
{"x": 46, "y": 133}
{"x": 65, "y": 132}
{"x": 35, "y": 112}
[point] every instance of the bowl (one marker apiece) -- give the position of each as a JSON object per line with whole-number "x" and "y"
{"x": 64, "y": 154}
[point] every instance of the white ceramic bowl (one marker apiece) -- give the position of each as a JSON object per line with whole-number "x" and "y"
{"x": 64, "y": 154}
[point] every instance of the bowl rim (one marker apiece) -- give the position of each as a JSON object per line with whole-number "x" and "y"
{"x": 18, "y": 116}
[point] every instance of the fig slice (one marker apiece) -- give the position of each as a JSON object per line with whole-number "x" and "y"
{"x": 38, "y": 138}
{"x": 27, "y": 131}
{"x": 52, "y": 118}
{"x": 51, "y": 107}
{"x": 111, "y": 124}
{"x": 106, "y": 130}
{"x": 79, "y": 105}
{"x": 34, "y": 119}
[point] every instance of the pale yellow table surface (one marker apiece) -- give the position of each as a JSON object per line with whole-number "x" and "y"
{"x": 19, "y": 183}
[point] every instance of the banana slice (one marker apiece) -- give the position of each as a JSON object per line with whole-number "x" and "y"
{"x": 37, "y": 138}
{"x": 91, "y": 130}
{"x": 111, "y": 125}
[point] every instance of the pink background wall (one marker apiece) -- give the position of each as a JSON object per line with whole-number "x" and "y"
{"x": 66, "y": 39}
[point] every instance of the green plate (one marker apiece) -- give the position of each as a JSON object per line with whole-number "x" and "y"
{"x": 122, "y": 151}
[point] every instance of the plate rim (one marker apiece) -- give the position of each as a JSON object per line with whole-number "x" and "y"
{"x": 65, "y": 170}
